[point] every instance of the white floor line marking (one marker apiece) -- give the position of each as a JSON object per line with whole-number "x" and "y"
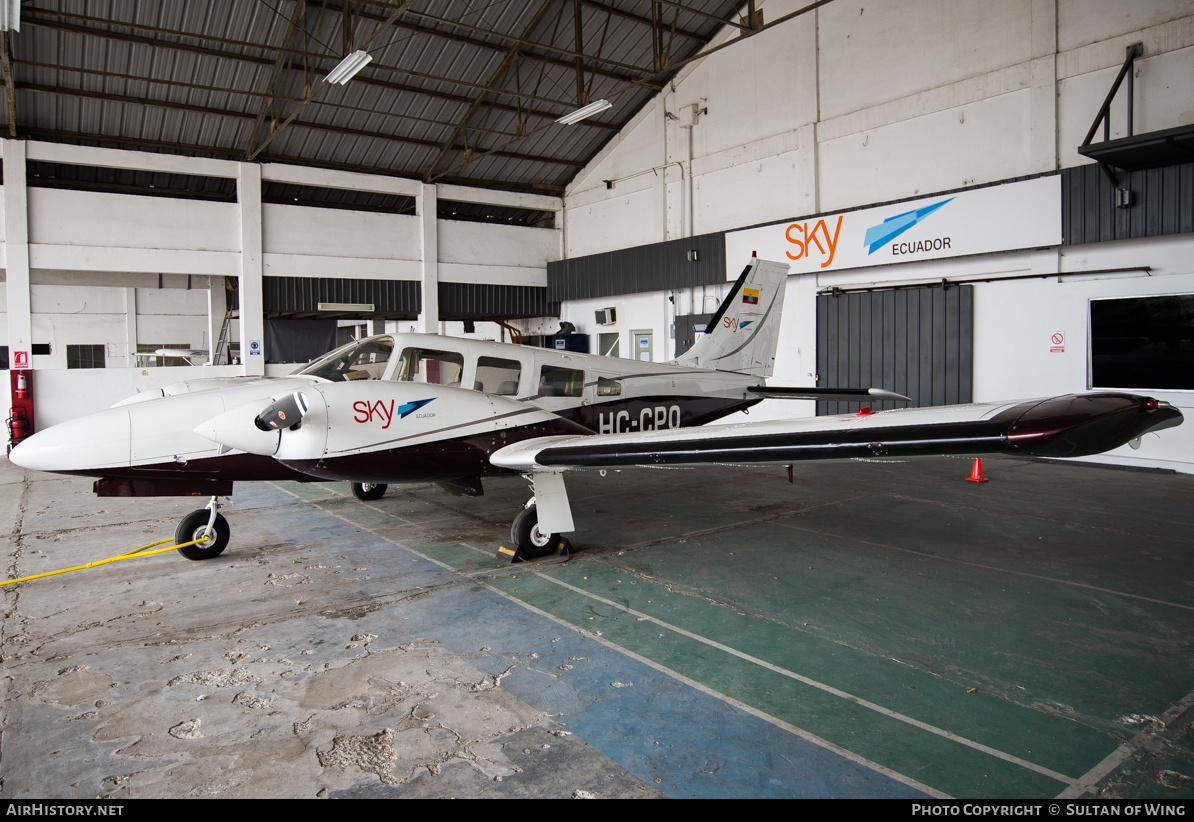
{"x": 1125, "y": 751}
{"x": 813, "y": 738}
{"x": 742, "y": 706}
{"x": 857, "y": 700}
{"x": 1054, "y": 580}
{"x": 1015, "y": 760}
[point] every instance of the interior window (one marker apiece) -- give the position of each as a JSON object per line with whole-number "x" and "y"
{"x": 1142, "y": 342}
{"x": 434, "y": 367}
{"x": 498, "y": 376}
{"x": 608, "y": 388}
{"x": 561, "y": 382}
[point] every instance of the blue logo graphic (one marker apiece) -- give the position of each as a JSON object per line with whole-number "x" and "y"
{"x": 408, "y": 408}
{"x": 893, "y": 227}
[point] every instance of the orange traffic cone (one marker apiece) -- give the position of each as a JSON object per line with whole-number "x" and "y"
{"x": 976, "y": 473}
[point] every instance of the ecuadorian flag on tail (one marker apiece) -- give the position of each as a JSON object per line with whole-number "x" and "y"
{"x": 750, "y": 296}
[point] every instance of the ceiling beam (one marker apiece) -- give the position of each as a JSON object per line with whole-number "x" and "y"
{"x": 10, "y": 85}
{"x": 53, "y": 135}
{"x": 208, "y": 110}
{"x": 298, "y": 22}
{"x": 223, "y": 54}
{"x": 252, "y": 95}
{"x": 461, "y": 132}
{"x": 646, "y": 21}
{"x": 227, "y": 54}
{"x": 525, "y": 40}
{"x": 477, "y": 42}
{"x": 348, "y": 44}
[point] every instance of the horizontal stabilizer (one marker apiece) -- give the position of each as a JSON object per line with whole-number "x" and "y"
{"x": 848, "y": 394}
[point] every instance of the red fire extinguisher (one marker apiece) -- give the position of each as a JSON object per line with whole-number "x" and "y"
{"x": 18, "y": 427}
{"x": 22, "y": 387}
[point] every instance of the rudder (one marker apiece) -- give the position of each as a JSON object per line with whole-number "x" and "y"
{"x": 743, "y": 334}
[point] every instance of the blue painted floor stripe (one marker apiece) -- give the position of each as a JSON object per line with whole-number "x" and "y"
{"x": 675, "y": 736}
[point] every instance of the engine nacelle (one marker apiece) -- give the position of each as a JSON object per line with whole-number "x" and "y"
{"x": 371, "y": 431}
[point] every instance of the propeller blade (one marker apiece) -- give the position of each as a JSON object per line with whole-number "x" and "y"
{"x": 286, "y": 412}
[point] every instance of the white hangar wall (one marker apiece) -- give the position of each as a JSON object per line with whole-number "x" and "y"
{"x": 857, "y": 104}
{"x": 85, "y": 267}
{"x": 860, "y": 103}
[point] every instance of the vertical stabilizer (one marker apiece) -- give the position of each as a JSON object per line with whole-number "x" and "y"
{"x": 744, "y": 332}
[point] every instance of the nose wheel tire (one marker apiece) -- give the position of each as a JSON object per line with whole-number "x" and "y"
{"x": 533, "y": 543}
{"x": 368, "y": 491}
{"x": 193, "y": 526}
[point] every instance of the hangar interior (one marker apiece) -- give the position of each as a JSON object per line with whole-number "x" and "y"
{"x": 181, "y": 177}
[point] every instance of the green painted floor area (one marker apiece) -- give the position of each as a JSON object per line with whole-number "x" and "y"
{"x": 998, "y": 640}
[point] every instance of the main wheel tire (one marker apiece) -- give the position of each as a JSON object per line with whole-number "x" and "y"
{"x": 369, "y": 491}
{"x": 193, "y": 526}
{"x": 532, "y": 542}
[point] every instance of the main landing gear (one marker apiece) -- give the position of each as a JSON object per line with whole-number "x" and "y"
{"x": 531, "y": 543}
{"x": 368, "y": 491}
{"x": 207, "y": 525}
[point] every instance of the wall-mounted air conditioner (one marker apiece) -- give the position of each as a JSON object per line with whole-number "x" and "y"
{"x": 607, "y": 316}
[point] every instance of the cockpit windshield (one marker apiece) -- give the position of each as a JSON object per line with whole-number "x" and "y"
{"x": 363, "y": 360}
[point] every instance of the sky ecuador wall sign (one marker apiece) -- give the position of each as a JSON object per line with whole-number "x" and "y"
{"x": 1005, "y": 217}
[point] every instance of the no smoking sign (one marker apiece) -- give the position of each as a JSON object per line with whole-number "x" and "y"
{"x": 1057, "y": 342}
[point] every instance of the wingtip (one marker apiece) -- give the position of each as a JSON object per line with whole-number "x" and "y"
{"x": 884, "y": 394}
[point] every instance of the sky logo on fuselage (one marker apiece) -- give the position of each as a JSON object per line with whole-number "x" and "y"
{"x": 368, "y": 411}
{"x": 892, "y": 227}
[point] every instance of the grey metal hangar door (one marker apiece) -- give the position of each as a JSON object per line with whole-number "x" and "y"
{"x": 917, "y": 341}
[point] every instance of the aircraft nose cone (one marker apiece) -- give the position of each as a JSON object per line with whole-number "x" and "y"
{"x": 87, "y": 443}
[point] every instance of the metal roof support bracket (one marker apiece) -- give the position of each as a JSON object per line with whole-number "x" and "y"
{"x": 1104, "y": 115}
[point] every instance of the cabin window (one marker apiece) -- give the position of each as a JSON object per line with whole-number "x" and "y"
{"x": 433, "y": 367}
{"x": 498, "y": 376}
{"x": 561, "y": 382}
{"x": 608, "y": 388}
{"x": 364, "y": 360}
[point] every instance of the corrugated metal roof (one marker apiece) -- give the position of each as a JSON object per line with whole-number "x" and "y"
{"x": 459, "y": 91}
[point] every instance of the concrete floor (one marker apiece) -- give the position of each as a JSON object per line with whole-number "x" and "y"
{"x": 869, "y": 631}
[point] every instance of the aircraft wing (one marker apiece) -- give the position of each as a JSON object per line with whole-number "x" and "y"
{"x": 1067, "y": 426}
{"x": 804, "y": 393}
{"x": 1074, "y": 425}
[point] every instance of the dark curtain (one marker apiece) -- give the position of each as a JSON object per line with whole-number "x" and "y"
{"x": 298, "y": 340}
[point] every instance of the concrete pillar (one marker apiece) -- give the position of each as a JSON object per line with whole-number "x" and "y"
{"x": 425, "y": 205}
{"x": 1042, "y": 72}
{"x": 16, "y": 241}
{"x": 130, "y": 327}
{"x": 217, "y": 307}
{"x": 252, "y": 303}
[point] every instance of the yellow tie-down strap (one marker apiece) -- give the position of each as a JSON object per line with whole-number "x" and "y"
{"x": 143, "y": 551}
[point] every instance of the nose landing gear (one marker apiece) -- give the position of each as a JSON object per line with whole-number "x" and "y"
{"x": 209, "y": 526}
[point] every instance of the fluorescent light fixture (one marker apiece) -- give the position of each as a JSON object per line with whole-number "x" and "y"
{"x": 365, "y": 308}
{"x": 587, "y": 111}
{"x": 10, "y": 15}
{"x": 347, "y": 68}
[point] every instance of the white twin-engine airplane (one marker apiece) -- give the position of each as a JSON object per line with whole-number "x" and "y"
{"x": 426, "y": 408}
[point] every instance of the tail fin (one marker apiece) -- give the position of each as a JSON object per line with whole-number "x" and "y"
{"x": 744, "y": 332}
